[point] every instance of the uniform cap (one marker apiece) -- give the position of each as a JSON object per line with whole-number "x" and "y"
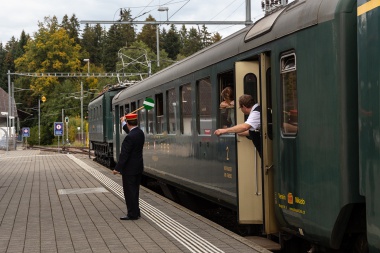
{"x": 131, "y": 116}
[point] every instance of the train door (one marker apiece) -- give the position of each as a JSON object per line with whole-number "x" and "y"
{"x": 249, "y": 178}
{"x": 270, "y": 223}
{"x": 255, "y": 176}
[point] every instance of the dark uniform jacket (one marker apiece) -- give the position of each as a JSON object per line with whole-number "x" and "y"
{"x": 131, "y": 155}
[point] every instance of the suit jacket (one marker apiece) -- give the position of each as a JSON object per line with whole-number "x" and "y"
{"x": 131, "y": 155}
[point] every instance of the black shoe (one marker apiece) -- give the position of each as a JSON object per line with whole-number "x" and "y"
{"x": 128, "y": 218}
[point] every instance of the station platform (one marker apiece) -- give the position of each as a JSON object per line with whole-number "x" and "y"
{"x": 52, "y": 202}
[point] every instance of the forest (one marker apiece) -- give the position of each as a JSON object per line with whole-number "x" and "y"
{"x": 61, "y": 47}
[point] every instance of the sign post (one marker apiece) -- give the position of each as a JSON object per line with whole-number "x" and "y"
{"x": 67, "y": 129}
{"x": 58, "y": 130}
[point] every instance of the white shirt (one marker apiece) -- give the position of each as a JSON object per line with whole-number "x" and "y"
{"x": 254, "y": 119}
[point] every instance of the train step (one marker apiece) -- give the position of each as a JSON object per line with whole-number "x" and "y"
{"x": 264, "y": 242}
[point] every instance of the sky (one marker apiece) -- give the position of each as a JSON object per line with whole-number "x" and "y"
{"x": 19, "y": 15}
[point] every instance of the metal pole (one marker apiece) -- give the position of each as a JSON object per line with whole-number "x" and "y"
{"x": 8, "y": 135}
{"x": 67, "y": 132}
{"x": 81, "y": 110}
{"x": 9, "y": 106}
{"x": 63, "y": 138}
{"x": 248, "y": 20}
{"x": 158, "y": 46}
{"x": 39, "y": 121}
{"x": 14, "y": 116}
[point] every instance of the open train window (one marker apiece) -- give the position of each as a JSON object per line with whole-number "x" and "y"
{"x": 171, "y": 104}
{"x": 227, "y": 100}
{"x": 142, "y": 117}
{"x": 159, "y": 108}
{"x": 121, "y": 114}
{"x": 204, "y": 107}
{"x": 186, "y": 109}
{"x": 289, "y": 97}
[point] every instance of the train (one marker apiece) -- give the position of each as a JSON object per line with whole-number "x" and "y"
{"x": 313, "y": 66}
{"x": 101, "y": 125}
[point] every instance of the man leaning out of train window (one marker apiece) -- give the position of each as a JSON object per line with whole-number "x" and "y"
{"x": 251, "y": 127}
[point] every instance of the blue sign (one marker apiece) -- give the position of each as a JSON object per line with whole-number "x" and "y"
{"x": 58, "y": 128}
{"x": 25, "y": 132}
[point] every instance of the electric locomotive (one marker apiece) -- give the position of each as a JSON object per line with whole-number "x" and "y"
{"x": 312, "y": 66}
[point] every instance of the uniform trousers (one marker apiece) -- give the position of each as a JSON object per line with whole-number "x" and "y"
{"x": 131, "y": 187}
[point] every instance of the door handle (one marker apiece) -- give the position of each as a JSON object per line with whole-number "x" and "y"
{"x": 267, "y": 168}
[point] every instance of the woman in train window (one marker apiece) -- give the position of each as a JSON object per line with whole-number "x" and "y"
{"x": 226, "y": 107}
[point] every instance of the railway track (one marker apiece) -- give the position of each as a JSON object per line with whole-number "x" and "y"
{"x": 65, "y": 149}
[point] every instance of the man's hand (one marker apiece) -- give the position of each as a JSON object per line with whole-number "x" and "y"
{"x": 115, "y": 172}
{"x": 122, "y": 119}
{"x": 219, "y": 132}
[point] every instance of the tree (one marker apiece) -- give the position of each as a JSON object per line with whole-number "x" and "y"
{"x": 117, "y": 37}
{"x": 72, "y": 27}
{"x": 205, "y": 37}
{"x": 192, "y": 43}
{"x": 148, "y": 34}
{"x": 171, "y": 42}
{"x": 92, "y": 42}
{"x": 49, "y": 52}
{"x": 3, "y": 69}
{"x": 216, "y": 37}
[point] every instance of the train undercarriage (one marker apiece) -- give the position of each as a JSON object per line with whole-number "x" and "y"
{"x": 103, "y": 153}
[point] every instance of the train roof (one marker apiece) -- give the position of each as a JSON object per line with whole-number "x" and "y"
{"x": 294, "y": 17}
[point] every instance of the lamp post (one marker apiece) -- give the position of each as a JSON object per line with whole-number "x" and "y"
{"x": 43, "y": 99}
{"x": 158, "y": 33}
{"x": 81, "y": 110}
{"x": 81, "y": 98}
{"x": 39, "y": 121}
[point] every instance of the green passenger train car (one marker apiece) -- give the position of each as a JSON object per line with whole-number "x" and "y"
{"x": 100, "y": 126}
{"x": 368, "y": 20}
{"x": 313, "y": 67}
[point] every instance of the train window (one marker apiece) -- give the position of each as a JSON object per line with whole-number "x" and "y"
{"x": 250, "y": 85}
{"x": 121, "y": 114}
{"x": 142, "y": 117}
{"x": 226, "y": 99}
{"x": 114, "y": 114}
{"x": 133, "y": 106}
{"x": 171, "y": 108}
{"x": 186, "y": 109}
{"x": 226, "y": 107}
{"x": 127, "y": 108}
{"x": 204, "y": 106}
{"x": 159, "y": 108}
{"x": 150, "y": 121}
{"x": 289, "y": 101}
